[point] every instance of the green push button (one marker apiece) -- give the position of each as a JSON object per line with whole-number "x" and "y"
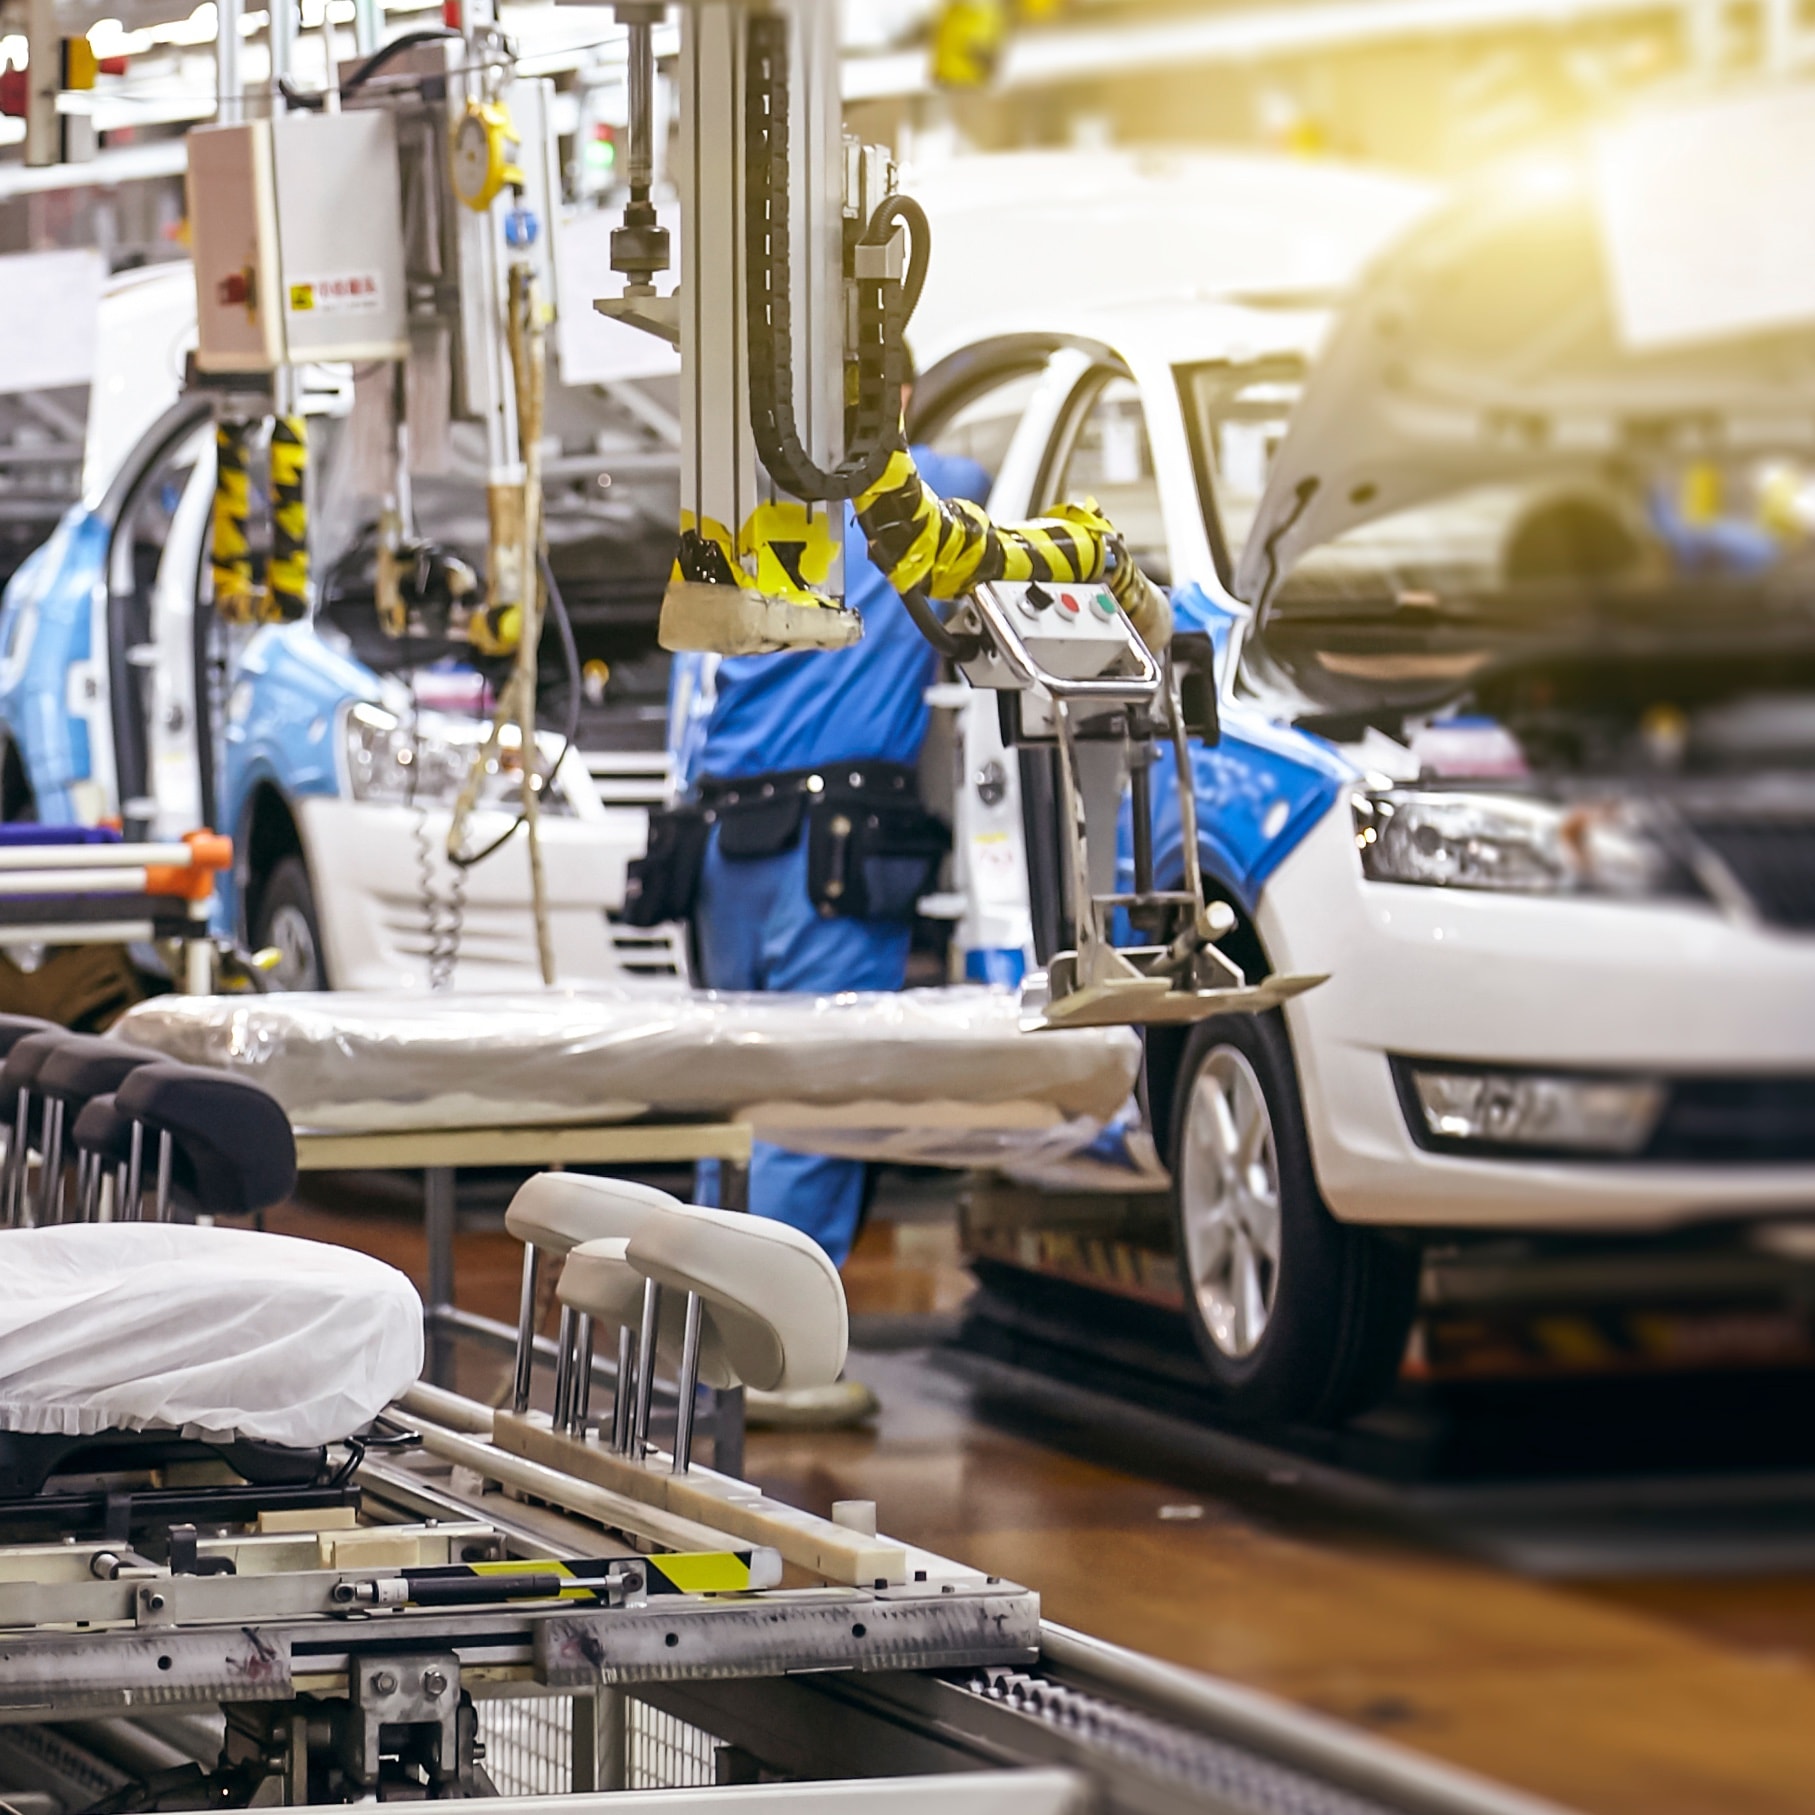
{"x": 1103, "y": 604}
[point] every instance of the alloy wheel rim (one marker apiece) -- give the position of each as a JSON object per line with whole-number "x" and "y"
{"x": 298, "y": 965}
{"x": 1229, "y": 1202}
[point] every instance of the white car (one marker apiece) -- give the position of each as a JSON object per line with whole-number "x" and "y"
{"x": 1516, "y": 633}
{"x": 330, "y": 753}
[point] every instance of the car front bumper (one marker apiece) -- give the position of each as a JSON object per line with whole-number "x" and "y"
{"x": 386, "y": 897}
{"x": 1653, "y": 989}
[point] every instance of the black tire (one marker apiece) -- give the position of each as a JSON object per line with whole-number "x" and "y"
{"x": 283, "y": 915}
{"x": 1336, "y": 1300}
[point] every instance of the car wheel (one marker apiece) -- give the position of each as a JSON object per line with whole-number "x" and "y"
{"x": 285, "y": 919}
{"x": 1296, "y": 1314}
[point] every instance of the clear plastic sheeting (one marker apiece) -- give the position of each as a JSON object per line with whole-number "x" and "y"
{"x": 216, "y": 1333}
{"x": 951, "y": 1060}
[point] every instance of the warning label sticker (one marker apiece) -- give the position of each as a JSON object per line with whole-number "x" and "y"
{"x": 346, "y": 294}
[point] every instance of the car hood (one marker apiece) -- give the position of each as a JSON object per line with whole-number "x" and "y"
{"x": 1552, "y": 314}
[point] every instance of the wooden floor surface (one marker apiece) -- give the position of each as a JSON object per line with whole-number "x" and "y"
{"x": 1629, "y": 1698}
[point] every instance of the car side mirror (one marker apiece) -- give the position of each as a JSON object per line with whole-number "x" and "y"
{"x": 1194, "y": 657}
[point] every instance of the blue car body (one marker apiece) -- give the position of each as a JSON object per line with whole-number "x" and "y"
{"x": 286, "y": 688}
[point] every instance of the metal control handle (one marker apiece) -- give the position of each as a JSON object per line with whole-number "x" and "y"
{"x": 1123, "y": 689}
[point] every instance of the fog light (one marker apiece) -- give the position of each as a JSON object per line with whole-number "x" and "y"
{"x": 1528, "y": 1109}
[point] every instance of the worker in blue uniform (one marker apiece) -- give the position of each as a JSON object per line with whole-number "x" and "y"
{"x": 809, "y": 725}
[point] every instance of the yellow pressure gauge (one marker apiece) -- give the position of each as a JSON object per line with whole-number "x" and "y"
{"x": 484, "y": 153}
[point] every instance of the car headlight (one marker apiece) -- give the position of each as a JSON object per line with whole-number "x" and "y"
{"x": 424, "y": 761}
{"x": 1513, "y": 842}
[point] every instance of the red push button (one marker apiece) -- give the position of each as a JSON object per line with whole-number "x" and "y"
{"x": 1068, "y": 603}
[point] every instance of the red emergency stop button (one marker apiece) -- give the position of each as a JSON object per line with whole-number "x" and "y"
{"x": 1068, "y": 603}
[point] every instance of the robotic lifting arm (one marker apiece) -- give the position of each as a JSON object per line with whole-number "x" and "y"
{"x": 810, "y": 248}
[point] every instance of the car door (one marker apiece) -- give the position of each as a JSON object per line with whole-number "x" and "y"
{"x": 154, "y": 577}
{"x": 997, "y": 403}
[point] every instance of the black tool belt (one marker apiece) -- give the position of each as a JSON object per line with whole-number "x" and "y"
{"x": 872, "y": 849}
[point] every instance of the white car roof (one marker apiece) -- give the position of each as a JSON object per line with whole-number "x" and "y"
{"x": 1022, "y": 238}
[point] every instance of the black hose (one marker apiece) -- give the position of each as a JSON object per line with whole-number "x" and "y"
{"x": 905, "y": 209}
{"x": 314, "y": 103}
{"x": 570, "y": 654}
{"x": 931, "y": 626}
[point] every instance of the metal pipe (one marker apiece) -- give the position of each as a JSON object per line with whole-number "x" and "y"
{"x": 639, "y": 162}
{"x": 82, "y": 1161}
{"x": 120, "y": 1199}
{"x": 624, "y": 1393}
{"x": 16, "y": 1161}
{"x": 652, "y": 1309}
{"x": 581, "y": 1391}
{"x": 229, "y": 73}
{"x": 526, "y": 1329}
{"x": 563, "y": 1367}
{"x": 135, "y": 1174}
{"x": 689, "y": 1383}
{"x": 1140, "y": 814}
{"x": 281, "y": 37}
{"x": 1315, "y": 1743}
{"x": 50, "y": 1181}
{"x": 97, "y": 1179}
{"x": 166, "y": 1153}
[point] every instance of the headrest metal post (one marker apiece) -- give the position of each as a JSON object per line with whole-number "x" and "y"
{"x": 563, "y": 1368}
{"x": 166, "y": 1152}
{"x": 82, "y": 1160}
{"x": 526, "y": 1329}
{"x": 689, "y": 1385}
{"x": 135, "y": 1176}
{"x": 91, "y": 1195}
{"x": 120, "y": 1200}
{"x": 625, "y": 1395}
{"x": 581, "y": 1394}
{"x": 16, "y": 1160}
{"x": 50, "y": 1193}
{"x": 652, "y": 1309}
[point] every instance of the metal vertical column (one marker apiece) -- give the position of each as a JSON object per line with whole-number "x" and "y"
{"x": 44, "y": 77}
{"x": 438, "y": 1226}
{"x": 229, "y": 72}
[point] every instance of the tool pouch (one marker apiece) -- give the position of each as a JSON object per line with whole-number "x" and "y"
{"x": 872, "y": 859}
{"x": 762, "y": 821}
{"x": 663, "y": 884}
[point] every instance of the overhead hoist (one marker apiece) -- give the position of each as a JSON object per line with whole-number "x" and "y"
{"x": 804, "y": 263}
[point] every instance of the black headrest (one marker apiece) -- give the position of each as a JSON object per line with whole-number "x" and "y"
{"x": 86, "y": 1065}
{"x": 234, "y": 1137}
{"x": 101, "y": 1129}
{"x": 28, "y": 1056}
{"x": 14, "y": 1028}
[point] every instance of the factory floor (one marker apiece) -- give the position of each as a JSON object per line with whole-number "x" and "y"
{"x": 1677, "y": 1694}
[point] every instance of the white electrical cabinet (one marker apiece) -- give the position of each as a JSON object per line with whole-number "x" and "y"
{"x": 298, "y": 241}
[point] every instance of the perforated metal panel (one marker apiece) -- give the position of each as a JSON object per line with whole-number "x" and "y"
{"x": 529, "y": 1747}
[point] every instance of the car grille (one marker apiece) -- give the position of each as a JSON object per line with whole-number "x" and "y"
{"x": 1753, "y": 1121}
{"x": 1771, "y": 857}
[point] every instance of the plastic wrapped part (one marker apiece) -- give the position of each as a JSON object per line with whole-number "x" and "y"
{"x": 953, "y": 1058}
{"x": 219, "y": 1333}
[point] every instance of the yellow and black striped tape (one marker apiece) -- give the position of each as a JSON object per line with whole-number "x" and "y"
{"x": 230, "y": 554}
{"x": 945, "y": 547}
{"x": 287, "y": 578}
{"x": 674, "y": 1572}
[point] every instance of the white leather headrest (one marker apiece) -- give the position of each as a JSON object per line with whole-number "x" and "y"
{"x": 597, "y": 1279}
{"x": 556, "y": 1211}
{"x": 771, "y": 1295}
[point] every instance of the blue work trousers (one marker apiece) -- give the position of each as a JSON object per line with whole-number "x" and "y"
{"x": 757, "y": 930}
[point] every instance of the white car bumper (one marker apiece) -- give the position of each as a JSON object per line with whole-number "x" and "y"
{"x": 1568, "y": 985}
{"x": 378, "y": 908}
